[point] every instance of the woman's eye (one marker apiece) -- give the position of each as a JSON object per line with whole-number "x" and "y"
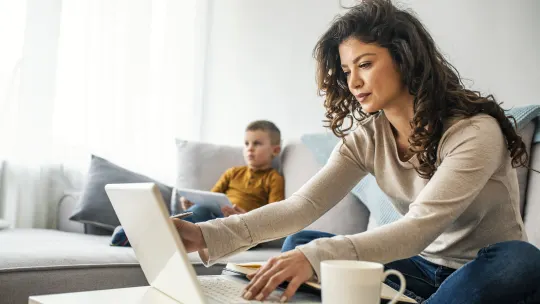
{"x": 346, "y": 73}
{"x": 365, "y": 65}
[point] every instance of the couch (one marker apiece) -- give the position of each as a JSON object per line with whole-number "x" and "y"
{"x": 46, "y": 261}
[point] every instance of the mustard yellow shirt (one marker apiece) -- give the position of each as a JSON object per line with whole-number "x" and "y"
{"x": 249, "y": 189}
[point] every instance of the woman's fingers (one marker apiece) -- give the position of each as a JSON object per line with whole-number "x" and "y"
{"x": 274, "y": 282}
{"x": 293, "y": 286}
{"x": 270, "y": 276}
{"x": 252, "y": 289}
{"x": 251, "y": 275}
{"x": 291, "y": 266}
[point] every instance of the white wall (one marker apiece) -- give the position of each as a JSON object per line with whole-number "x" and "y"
{"x": 259, "y": 66}
{"x": 494, "y": 43}
{"x": 259, "y": 63}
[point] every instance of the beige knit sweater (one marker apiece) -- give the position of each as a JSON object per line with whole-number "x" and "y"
{"x": 470, "y": 202}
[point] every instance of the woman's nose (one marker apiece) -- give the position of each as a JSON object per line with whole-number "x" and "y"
{"x": 355, "y": 81}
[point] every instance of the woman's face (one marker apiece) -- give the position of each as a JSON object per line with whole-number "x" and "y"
{"x": 372, "y": 76}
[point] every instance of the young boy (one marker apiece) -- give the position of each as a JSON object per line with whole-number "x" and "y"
{"x": 251, "y": 186}
{"x": 247, "y": 187}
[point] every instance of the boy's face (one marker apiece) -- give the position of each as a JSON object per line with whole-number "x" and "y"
{"x": 258, "y": 149}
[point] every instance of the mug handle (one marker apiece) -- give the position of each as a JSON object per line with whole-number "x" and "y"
{"x": 402, "y": 283}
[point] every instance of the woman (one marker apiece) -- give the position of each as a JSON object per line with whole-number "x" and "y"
{"x": 445, "y": 155}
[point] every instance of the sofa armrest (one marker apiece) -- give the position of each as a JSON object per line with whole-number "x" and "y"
{"x": 66, "y": 205}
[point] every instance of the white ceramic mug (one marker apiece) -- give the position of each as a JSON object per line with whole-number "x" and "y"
{"x": 355, "y": 282}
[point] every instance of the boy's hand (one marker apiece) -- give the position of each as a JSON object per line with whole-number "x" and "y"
{"x": 186, "y": 204}
{"x": 227, "y": 210}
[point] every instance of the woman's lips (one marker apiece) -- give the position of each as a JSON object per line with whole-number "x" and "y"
{"x": 362, "y": 96}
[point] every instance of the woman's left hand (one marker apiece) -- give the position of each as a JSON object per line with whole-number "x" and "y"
{"x": 292, "y": 266}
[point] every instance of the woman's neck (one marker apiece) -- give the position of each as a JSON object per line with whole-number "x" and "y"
{"x": 400, "y": 118}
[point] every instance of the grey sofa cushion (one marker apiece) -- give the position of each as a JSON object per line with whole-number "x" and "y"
{"x": 94, "y": 207}
{"x": 40, "y": 261}
{"x": 52, "y": 249}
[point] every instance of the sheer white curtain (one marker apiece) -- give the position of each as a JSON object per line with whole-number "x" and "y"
{"x": 122, "y": 84}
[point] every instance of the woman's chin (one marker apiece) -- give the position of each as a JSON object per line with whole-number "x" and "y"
{"x": 369, "y": 108}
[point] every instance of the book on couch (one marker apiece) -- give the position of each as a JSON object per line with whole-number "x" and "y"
{"x": 243, "y": 269}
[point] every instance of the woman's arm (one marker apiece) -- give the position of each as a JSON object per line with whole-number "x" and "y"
{"x": 234, "y": 234}
{"x": 471, "y": 154}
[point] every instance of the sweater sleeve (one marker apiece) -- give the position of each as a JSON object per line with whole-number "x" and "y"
{"x": 225, "y": 237}
{"x": 470, "y": 154}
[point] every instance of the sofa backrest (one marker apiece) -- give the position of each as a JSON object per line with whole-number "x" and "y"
{"x": 349, "y": 216}
{"x": 523, "y": 173}
{"x": 531, "y": 214}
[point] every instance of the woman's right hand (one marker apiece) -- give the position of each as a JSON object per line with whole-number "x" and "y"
{"x": 191, "y": 235}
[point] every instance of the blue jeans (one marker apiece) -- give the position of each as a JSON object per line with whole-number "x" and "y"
{"x": 507, "y": 272}
{"x": 203, "y": 213}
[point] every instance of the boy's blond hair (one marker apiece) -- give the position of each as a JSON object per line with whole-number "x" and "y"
{"x": 268, "y": 127}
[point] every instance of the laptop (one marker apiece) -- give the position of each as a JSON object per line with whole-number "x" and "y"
{"x": 161, "y": 254}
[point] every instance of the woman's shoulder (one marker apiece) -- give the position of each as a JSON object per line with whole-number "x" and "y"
{"x": 359, "y": 144}
{"x": 481, "y": 128}
{"x": 457, "y": 124}
{"x": 370, "y": 125}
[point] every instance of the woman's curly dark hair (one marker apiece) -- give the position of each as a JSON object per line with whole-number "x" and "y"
{"x": 435, "y": 84}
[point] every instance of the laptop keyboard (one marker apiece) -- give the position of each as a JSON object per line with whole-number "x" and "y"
{"x": 226, "y": 291}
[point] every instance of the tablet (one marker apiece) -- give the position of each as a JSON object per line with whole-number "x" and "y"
{"x": 204, "y": 198}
